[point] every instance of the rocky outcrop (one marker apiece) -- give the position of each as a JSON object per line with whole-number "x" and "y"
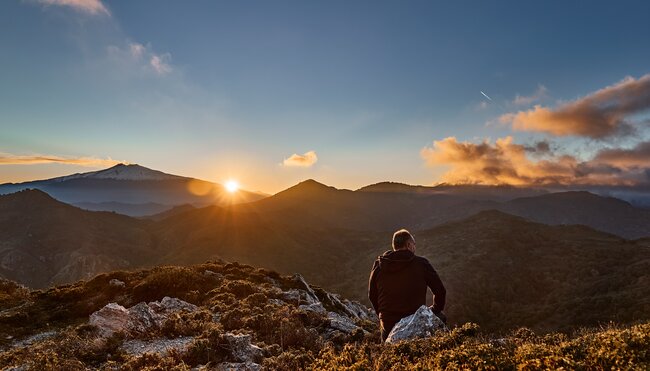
{"x": 241, "y": 348}
{"x": 139, "y": 319}
{"x": 139, "y": 347}
{"x": 422, "y": 323}
{"x": 341, "y": 314}
{"x": 234, "y": 366}
{"x": 116, "y": 283}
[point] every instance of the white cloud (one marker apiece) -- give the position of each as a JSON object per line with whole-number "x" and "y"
{"x": 307, "y": 159}
{"x": 137, "y": 50}
{"x": 159, "y": 63}
{"x": 141, "y": 57}
{"x": 93, "y": 7}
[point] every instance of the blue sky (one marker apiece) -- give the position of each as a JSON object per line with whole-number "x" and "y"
{"x": 218, "y": 90}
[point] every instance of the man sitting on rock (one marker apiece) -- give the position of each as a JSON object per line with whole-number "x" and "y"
{"x": 399, "y": 281}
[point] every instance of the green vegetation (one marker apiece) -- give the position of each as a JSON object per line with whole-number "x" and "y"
{"x": 235, "y": 298}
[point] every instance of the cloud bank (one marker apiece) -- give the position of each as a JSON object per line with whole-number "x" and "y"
{"x": 505, "y": 162}
{"x": 307, "y": 159}
{"x": 93, "y": 7}
{"x": 11, "y": 159}
{"x": 605, "y": 113}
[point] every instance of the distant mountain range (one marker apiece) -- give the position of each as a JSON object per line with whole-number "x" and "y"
{"x": 378, "y": 208}
{"x": 133, "y": 190}
{"x": 586, "y": 263}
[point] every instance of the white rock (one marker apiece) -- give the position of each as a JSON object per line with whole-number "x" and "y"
{"x": 242, "y": 349}
{"x": 209, "y": 273}
{"x": 114, "y": 282}
{"x": 111, "y": 318}
{"x": 422, "y": 323}
{"x": 157, "y": 346}
{"x": 138, "y": 319}
{"x": 244, "y": 366}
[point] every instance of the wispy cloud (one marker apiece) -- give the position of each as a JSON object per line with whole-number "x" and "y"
{"x": 141, "y": 56}
{"x": 505, "y": 162}
{"x": 307, "y": 159}
{"x": 93, "y": 7}
{"x": 12, "y": 159}
{"x": 159, "y": 63}
{"x": 604, "y": 113}
{"x": 527, "y": 100}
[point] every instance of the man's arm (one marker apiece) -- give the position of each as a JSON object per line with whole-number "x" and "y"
{"x": 436, "y": 286}
{"x": 373, "y": 294}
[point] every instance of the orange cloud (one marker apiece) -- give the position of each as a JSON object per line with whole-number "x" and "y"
{"x": 11, "y": 159}
{"x": 604, "y": 113}
{"x": 639, "y": 156}
{"x": 307, "y": 159}
{"x": 505, "y": 162}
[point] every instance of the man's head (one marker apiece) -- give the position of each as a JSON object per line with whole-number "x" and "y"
{"x": 403, "y": 240}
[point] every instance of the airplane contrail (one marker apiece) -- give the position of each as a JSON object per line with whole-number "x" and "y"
{"x": 485, "y": 95}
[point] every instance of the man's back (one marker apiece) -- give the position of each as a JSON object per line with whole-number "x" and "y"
{"x": 398, "y": 286}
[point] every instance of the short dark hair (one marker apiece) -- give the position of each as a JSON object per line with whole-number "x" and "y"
{"x": 401, "y": 238}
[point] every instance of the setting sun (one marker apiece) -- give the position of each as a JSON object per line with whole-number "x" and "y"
{"x": 232, "y": 186}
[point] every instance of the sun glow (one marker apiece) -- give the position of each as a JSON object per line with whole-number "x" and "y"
{"x": 232, "y": 186}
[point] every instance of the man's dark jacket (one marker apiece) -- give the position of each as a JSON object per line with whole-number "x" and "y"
{"x": 398, "y": 285}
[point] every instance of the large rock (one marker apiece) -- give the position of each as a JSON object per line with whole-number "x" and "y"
{"x": 139, "y": 319}
{"x": 137, "y": 347}
{"x": 422, "y": 323}
{"x": 243, "y": 366}
{"x": 341, "y": 323}
{"x": 110, "y": 319}
{"x": 241, "y": 348}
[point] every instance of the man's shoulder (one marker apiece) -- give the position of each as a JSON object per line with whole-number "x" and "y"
{"x": 422, "y": 260}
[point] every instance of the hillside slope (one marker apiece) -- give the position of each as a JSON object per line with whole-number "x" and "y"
{"x": 45, "y": 242}
{"x": 230, "y": 316}
{"x": 501, "y": 271}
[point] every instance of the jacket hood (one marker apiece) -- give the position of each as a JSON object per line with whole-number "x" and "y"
{"x": 395, "y": 260}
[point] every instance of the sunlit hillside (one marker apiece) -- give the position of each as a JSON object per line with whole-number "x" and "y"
{"x": 50, "y": 329}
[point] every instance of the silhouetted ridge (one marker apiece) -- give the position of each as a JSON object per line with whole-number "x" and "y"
{"x": 27, "y": 196}
{"x": 391, "y": 187}
{"x": 308, "y": 187}
{"x": 583, "y": 196}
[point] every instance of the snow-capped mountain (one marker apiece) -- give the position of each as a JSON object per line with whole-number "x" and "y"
{"x": 121, "y": 172}
{"x": 132, "y": 190}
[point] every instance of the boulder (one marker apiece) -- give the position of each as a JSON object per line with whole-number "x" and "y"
{"x": 110, "y": 319}
{"x": 422, "y": 323}
{"x": 209, "y": 273}
{"x": 116, "y": 283}
{"x": 241, "y": 348}
{"x": 156, "y": 346}
{"x": 139, "y": 319}
{"x": 307, "y": 292}
{"x": 243, "y": 366}
{"x": 316, "y": 307}
{"x": 341, "y": 323}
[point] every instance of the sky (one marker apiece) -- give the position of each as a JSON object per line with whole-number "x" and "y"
{"x": 349, "y": 93}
